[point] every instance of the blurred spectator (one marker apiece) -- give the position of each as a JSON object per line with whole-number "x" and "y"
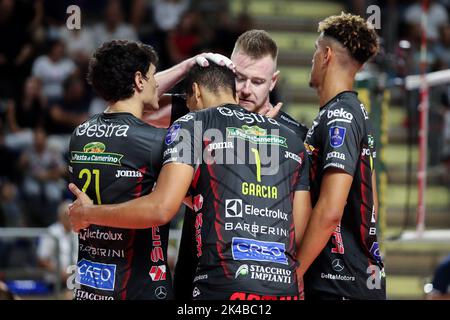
{"x": 441, "y": 282}
{"x": 67, "y": 241}
{"x": 185, "y": 39}
{"x": 9, "y": 203}
{"x": 114, "y": 26}
{"x": 15, "y": 44}
{"x": 442, "y": 48}
{"x": 25, "y": 114}
{"x": 79, "y": 43}
{"x": 437, "y": 16}
{"x": 43, "y": 169}
{"x": 64, "y": 115}
{"x": 227, "y": 32}
{"x": 167, "y": 13}
{"x": 52, "y": 69}
{"x": 8, "y": 161}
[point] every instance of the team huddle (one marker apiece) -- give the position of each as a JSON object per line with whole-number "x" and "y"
{"x": 274, "y": 211}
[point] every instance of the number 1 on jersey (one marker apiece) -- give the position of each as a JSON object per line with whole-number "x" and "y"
{"x": 258, "y": 164}
{"x": 88, "y": 174}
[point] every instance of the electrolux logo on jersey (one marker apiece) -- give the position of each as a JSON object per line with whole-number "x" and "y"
{"x": 102, "y": 130}
{"x": 96, "y": 275}
{"x": 271, "y": 274}
{"x": 100, "y": 235}
{"x": 235, "y": 209}
{"x": 250, "y": 249}
{"x": 128, "y": 174}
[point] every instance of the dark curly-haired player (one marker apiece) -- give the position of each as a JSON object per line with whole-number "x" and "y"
{"x": 339, "y": 251}
{"x": 116, "y": 157}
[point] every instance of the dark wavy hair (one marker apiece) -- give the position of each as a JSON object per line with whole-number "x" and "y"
{"x": 213, "y": 77}
{"x": 354, "y": 33}
{"x": 114, "y": 65}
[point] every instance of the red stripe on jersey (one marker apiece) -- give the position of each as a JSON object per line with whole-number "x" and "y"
{"x": 196, "y": 177}
{"x": 294, "y": 180}
{"x": 129, "y": 257}
{"x": 363, "y": 210}
{"x": 130, "y": 254}
{"x": 217, "y": 226}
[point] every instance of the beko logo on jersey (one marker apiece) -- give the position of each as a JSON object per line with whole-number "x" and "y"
{"x": 248, "y": 118}
{"x": 250, "y": 249}
{"x": 270, "y": 274}
{"x": 344, "y": 116}
{"x": 128, "y": 174}
{"x": 99, "y": 235}
{"x": 293, "y": 156}
{"x": 335, "y": 155}
{"x": 234, "y": 209}
{"x": 96, "y": 275}
{"x": 102, "y": 130}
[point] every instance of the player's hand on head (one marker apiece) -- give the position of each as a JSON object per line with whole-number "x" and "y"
{"x": 77, "y": 209}
{"x": 217, "y": 58}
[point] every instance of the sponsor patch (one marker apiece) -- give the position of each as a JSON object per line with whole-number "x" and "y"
{"x": 337, "y": 136}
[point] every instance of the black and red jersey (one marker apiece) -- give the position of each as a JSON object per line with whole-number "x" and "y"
{"x": 350, "y": 265}
{"x": 247, "y": 168}
{"x": 115, "y": 157}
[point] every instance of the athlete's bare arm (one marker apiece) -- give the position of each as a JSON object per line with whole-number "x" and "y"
{"x": 302, "y": 212}
{"x": 326, "y": 215}
{"x": 155, "y": 209}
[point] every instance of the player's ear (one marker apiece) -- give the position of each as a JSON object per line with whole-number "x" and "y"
{"x": 274, "y": 79}
{"x": 328, "y": 52}
{"x": 197, "y": 93}
{"x": 139, "y": 80}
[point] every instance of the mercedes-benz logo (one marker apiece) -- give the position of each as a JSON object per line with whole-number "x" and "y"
{"x": 337, "y": 265}
{"x": 161, "y": 292}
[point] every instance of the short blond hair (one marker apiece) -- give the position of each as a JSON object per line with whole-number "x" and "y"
{"x": 256, "y": 44}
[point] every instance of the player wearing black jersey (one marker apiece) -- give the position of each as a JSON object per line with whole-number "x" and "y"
{"x": 340, "y": 246}
{"x": 249, "y": 183}
{"x": 254, "y": 59}
{"x": 115, "y": 157}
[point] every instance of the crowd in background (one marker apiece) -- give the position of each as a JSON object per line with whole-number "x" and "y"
{"x": 44, "y": 94}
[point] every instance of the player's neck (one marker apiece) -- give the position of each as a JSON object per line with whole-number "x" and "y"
{"x": 130, "y": 105}
{"x": 215, "y": 100}
{"x": 333, "y": 85}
